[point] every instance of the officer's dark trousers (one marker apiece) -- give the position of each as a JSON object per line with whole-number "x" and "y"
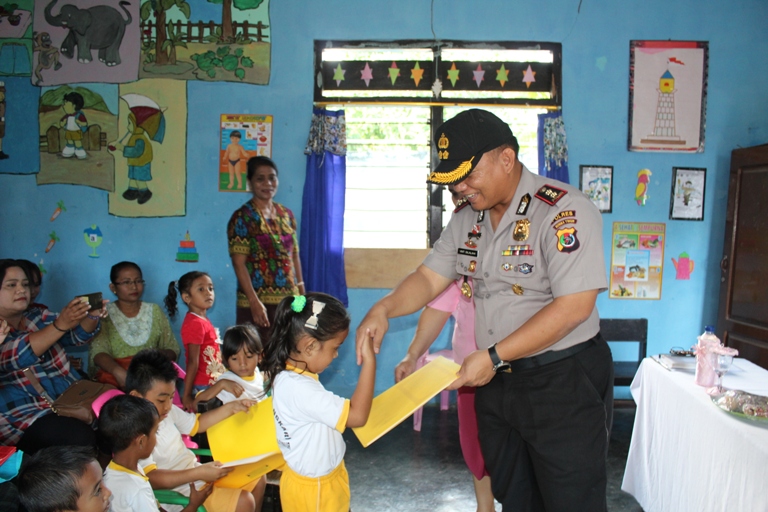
{"x": 544, "y": 433}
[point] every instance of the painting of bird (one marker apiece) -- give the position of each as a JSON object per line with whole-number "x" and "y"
{"x": 641, "y": 191}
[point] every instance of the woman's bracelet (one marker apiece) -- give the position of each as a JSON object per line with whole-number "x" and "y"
{"x": 300, "y": 283}
{"x": 57, "y": 327}
{"x": 93, "y": 317}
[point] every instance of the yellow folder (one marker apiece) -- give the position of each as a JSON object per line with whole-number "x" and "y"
{"x": 394, "y": 405}
{"x": 248, "y": 441}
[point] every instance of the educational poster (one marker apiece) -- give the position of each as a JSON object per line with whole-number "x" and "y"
{"x": 86, "y": 41}
{"x": 16, "y": 38}
{"x": 150, "y": 150}
{"x": 667, "y": 95}
{"x": 212, "y": 40}
{"x": 637, "y": 260}
{"x": 19, "y": 148}
{"x": 242, "y": 136}
{"x": 75, "y": 124}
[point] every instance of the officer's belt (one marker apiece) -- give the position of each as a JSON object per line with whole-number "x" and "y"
{"x": 552, "y": 356}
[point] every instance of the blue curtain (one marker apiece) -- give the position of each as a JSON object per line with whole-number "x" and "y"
{"x": 322, "y": 212}
{"x": 553, "y": 147}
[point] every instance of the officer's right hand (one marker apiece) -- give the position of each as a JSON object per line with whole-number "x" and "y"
{"x": 477, "y": 370}
{"x": 373, "y": 326}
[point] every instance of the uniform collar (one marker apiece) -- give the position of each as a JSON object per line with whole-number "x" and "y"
{"x": 117, "y": 467}
{"x": 300, "y": 371}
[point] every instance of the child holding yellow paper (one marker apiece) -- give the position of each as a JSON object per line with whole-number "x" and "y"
{"x": 151, "y": 375}
{"x": 308, "y": 331}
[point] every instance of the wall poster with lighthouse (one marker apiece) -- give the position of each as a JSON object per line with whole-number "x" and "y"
{"x": 667, "y": 95}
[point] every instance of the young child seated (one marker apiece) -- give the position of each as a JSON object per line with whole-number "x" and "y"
{"x": 129, "y": 425}
{"x": 308, "y": 331}
{"x": 171, "y": 465}
{"x": 63, "y": 479}
{"x": 241, "y": 352}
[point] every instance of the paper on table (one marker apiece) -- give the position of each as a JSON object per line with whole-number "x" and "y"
{"x": 246, "y": 440}
{"x": 394, "y": 405}
{"x": 677, "y": 362}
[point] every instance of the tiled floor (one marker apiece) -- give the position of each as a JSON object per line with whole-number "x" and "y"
{"x": 424, "y": 471}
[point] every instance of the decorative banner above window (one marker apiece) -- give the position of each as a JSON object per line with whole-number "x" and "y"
{"x": 438, "y": 73}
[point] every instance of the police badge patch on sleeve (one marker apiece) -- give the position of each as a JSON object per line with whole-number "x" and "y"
{"x": 567, "y": 240}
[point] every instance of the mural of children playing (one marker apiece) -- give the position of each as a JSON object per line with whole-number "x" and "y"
{"x": 75, "y": 124}
{"x": 145, "y": 124}
{"x": 235, "y": 158}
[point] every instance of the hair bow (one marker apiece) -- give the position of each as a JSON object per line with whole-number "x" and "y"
{"x": 299, "y": 301}
{"x": 317, "y": 307}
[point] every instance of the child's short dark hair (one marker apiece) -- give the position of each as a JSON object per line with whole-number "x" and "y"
{"x": 48, "y": 481}
{"x": 76, "y": 99}
{"x": 237, "y": 337}
{"x": 235, "y": 133}
{"x": 290, "y": 326}
{"x": 147, "y": 367}
{"x": 124, "y": 418}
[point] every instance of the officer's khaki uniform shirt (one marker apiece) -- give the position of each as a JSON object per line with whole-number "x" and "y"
{"x": 562, "y": 254}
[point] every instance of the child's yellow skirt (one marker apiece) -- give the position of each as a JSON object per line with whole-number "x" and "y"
{"x": 329, "y": 493}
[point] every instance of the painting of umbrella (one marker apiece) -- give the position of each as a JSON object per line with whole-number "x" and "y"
{"x": 146, "y": 123}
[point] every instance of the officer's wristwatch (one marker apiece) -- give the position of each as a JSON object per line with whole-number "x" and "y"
{"x": 498, "y": 364}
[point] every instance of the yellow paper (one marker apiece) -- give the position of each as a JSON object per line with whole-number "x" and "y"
{"x": 243, "y": 438}
{"x": 247, "y": 473}
{"x": 393, "y": 406}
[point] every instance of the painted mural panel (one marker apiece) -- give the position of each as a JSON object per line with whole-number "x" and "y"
{"x": 150, "y": 153}
{"x": 16, "y": 37}
{"x": 213, "y": 40}
{"x": 96, "y": 41}
{"x": 75, "y": 123}
{"x": 19, "y": 140}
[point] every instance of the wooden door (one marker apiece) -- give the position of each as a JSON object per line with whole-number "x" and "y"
{"x": 743, "y": 313}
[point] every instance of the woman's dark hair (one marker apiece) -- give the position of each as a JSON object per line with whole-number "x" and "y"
{"x": 184, "y": 284}
{"x": 147, "y": 367}
{"x": 10, "y": 263}
{"x": 124, "y": 418}
{"x": 49, "y": 479}
{"x": 259, "y": 161}
{"x": 290, "y": 327}
{"x": 118, "y": 267}
{"x": 33, "y": 272}
{"x": 237, "y": 337}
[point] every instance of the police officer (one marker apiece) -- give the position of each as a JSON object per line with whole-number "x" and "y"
{"x": 533, "y": 248}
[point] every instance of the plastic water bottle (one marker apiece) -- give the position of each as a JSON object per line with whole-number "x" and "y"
{"x": 705, "y": 364}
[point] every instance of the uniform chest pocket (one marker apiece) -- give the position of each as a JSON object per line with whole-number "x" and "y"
{"x": 467, "y": 261}
{"x": 517, "y": 267}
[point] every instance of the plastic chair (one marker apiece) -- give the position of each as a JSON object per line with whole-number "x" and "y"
{"x": 103, "y": 398}
{"x": 445, "y": 395}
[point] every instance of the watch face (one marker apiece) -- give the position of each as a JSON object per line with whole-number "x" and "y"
{"x": 501, "y": 367}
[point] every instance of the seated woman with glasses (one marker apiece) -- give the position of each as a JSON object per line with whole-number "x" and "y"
{"x": 132, "y": 325}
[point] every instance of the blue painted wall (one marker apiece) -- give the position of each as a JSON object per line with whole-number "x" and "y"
{"x": 595, "y": 80}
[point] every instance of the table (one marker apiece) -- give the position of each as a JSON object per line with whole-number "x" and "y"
{"x": 688, "y": 455}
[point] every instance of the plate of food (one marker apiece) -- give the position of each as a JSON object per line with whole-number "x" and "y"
{"x": 743, "y": 404}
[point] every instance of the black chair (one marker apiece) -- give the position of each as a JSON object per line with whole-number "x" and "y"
{"x": 633, "y": 330}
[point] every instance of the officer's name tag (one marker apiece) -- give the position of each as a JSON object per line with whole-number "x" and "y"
{"x": 467, "y": 252}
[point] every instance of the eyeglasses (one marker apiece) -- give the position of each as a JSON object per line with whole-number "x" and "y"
{"x": 136, "y": 282}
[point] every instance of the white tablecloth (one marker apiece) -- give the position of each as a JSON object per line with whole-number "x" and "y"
{"x": 688, "y": 455}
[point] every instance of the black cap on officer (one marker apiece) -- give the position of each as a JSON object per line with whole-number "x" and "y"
{"x": 462, "y": 141}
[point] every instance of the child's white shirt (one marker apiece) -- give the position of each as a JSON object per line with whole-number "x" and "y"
{"x": 131, "y": 491}
{"x": 253, "y": 389}
{"x": 170, "y": 451}
{"x": 309, "y": 421}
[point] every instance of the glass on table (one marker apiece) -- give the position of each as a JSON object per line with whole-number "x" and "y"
{"x": 722, "y": 363}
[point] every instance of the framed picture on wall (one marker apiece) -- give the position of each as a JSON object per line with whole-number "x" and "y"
{"x": 597, "y": 182}
{"x": 667, "y": 95}
{"x": 687, "y": 200}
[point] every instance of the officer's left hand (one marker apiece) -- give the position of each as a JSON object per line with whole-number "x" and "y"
{"x": 477, "y": 370}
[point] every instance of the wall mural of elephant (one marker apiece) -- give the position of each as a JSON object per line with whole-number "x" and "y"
{"x": 100, "y": 27}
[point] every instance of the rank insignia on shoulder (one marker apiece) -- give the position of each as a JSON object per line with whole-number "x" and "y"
{"x": 550, "y": 195}
{"x": 463, "y": 203}
{"x": 566, "y": 240}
